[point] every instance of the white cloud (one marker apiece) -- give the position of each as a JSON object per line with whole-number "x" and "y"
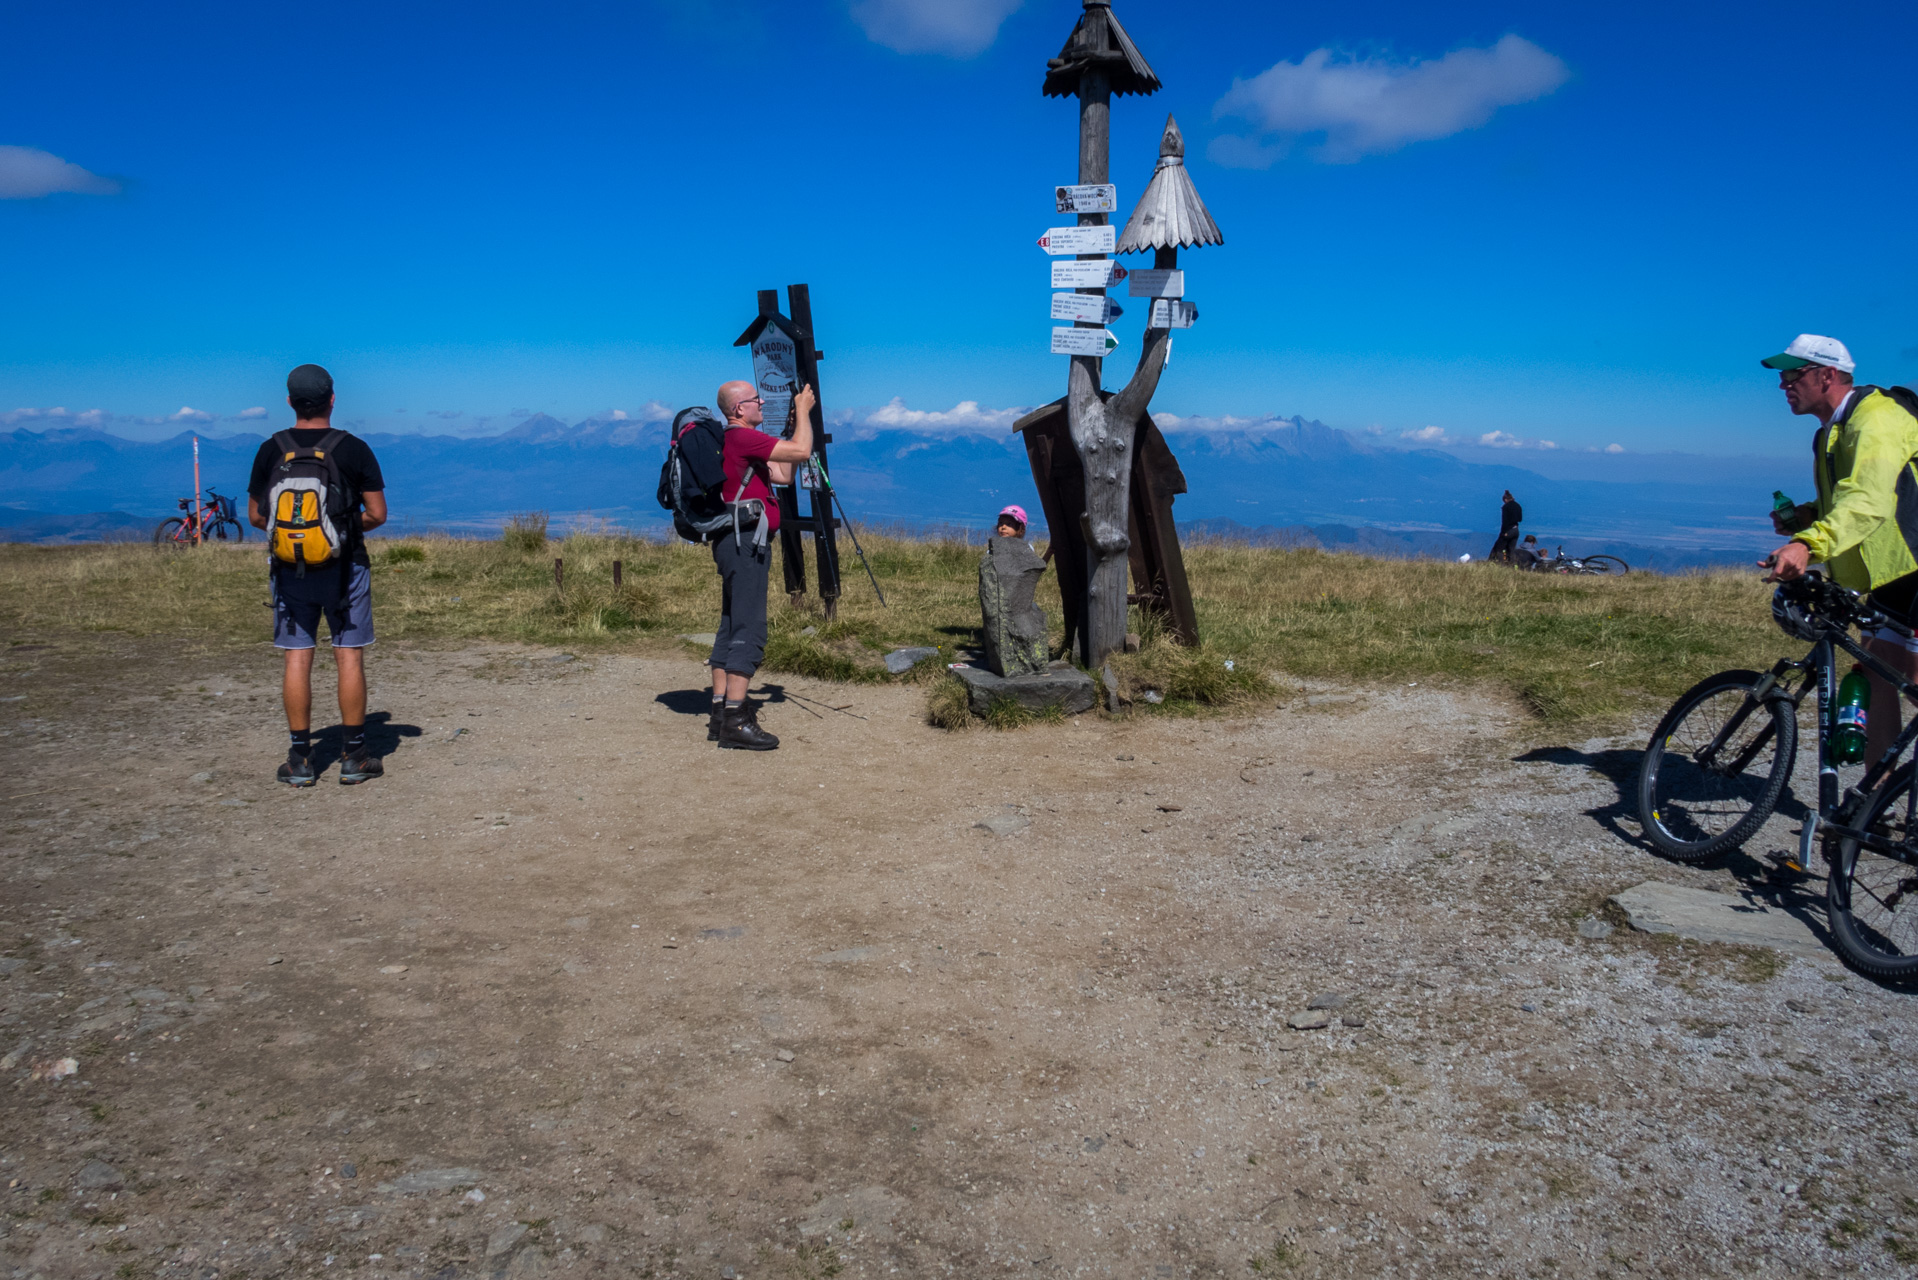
{"x": 966, "y": 417}
{"x": 27, "y": 174}
{"x": 1500, "y": 440}
{"x": 56, "y": 417}
{"x": 254, "y": 414}
{"x": 1194, "y": 424}
{"x": 1369, "y": 106}
{"x": 1614, "y": 448}
{"x": 1428, "y": 435}
{"x": 956, "y": 28}
{"x": 188, "y": 413}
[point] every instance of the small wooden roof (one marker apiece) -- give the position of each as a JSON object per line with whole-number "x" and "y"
{"x": 1099, "y": 40}
{"x": 1170, "y": 213}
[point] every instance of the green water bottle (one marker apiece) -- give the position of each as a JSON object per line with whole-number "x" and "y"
{"x": 1781, "y": 506}
{"x": 1848, "y": 730}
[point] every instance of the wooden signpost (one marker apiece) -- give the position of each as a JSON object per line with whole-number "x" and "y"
{"x": 776, "y": 339}
{"x": 1105, "y": 475}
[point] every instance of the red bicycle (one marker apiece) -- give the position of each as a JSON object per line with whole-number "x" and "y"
{"x": 215, "y": 520}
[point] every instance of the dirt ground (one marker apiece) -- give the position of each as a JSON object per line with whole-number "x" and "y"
{"x": 570, "y": 992}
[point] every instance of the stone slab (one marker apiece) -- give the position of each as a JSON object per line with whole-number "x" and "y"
{"x": 900, "y": 661}
{"x": 1704, "y": 916}
{"x": 1062, "y": 686}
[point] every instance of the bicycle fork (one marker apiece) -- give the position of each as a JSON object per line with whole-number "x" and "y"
{"x": 1826, "y": 662}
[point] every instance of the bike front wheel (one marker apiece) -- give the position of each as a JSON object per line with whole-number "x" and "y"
{"x": 1715, "y": 767}
{"x": 1607, "y": 566}
{"x": 228, "y": 531}
{"x": 1871, "y": 899}
{"x": 168, "y": 534}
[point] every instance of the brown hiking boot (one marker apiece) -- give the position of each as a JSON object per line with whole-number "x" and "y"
{"x": 739, "y": 731}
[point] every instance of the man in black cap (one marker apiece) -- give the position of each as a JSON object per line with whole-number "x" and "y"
{"x": 343, "y": 477}
{"x": 1510, "y": 516}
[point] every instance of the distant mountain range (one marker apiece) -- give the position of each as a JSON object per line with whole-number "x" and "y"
{"x": 1270, "y": 480}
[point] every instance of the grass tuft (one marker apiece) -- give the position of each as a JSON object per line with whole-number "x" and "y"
{"x": 525, "y": 533}
{"x": 948, "y": 704}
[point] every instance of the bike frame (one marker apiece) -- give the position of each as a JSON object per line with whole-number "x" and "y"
{"x": 1835, "y": 812}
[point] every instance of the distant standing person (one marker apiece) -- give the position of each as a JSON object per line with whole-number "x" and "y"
{"x": 317, "y": 491}
{"x": 1510, "y": 516}
{"x": 1864, "y": 525}
{"x": 753, "y": 463}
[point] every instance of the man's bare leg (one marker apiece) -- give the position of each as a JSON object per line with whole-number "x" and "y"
{"x": 296, "y": 689}
{"x": 1887, "y": 707}
{"x": 352, "y": 674}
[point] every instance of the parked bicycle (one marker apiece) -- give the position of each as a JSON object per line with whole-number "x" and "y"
{"x": 216, "y": 520}
{"x": 1602, "y": 566}
{"x": 1718, "y": 762}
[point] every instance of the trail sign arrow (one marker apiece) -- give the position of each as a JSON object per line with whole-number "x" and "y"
{"x": 1172, "y": 313}
{"x": 1082, "y": 342}
{"x": 1093, "y": 308}
{"x": 1097, "y": 197}
{"x": 1072, "y": 273}
{"x": 1080, "y": 240}
{"x": 1155, "y": 282}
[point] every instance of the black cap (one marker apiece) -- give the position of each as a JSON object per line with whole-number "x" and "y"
{"x": 309, "y": 383}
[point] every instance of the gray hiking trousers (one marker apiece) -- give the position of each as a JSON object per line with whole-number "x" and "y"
{"x": 744, "y": 567}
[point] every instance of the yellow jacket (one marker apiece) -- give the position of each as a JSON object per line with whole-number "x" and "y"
{"x": 1867, "y": 526}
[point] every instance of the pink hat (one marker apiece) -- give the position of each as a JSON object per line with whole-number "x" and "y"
{"x": 1017, "y": 512}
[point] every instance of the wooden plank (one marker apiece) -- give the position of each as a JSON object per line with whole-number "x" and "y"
{"x": 825, "y": 541}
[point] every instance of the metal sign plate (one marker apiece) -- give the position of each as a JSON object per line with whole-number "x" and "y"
{"x": 1072, "y": 273}
{"x": 1080, "y": 240}
{"x": 1154, "y": 282}
{"x": 1091, "y": 307}
{"x": 775, "y": 373}
{"x": 1100, "y": 197}
{"x": 1172, "y": 313}
{"x": 1082, "y": 342}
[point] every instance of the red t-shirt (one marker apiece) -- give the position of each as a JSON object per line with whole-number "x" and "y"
{"x": 744, "y": 447}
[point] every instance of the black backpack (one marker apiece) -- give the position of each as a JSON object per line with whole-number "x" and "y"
{"x": 693, "y": 474}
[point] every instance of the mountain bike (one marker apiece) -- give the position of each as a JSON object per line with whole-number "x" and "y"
{"x": 217, "y": 520}
{"x": 1601, "y": 566}
{"x": 1719, "y": 760}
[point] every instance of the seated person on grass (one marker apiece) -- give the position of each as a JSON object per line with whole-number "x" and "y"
{"x": 1527, "y": 556}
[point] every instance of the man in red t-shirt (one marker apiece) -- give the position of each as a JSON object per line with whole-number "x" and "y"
{"x": 754, "y": 462}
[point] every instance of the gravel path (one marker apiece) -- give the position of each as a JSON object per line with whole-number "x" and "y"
{"x": 569, "y": 992}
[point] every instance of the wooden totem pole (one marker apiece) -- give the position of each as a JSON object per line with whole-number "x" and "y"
{"x": 1099, "y": 60}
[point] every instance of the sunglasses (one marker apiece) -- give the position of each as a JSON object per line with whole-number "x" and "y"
{"x": 1790, "y": 376}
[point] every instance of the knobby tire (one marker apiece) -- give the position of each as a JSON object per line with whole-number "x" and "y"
{"x": 1871, "y": 898}
{"x": 1691, "y": 811}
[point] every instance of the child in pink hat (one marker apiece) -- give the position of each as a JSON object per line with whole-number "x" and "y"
{"x": 1012, "y": 521}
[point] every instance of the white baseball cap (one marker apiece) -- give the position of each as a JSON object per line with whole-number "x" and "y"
{"x": 1811, "y": 348}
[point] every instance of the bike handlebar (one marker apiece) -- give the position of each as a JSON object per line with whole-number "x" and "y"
{"x": 1839, "y": 606}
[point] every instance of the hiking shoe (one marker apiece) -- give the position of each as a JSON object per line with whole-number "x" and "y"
{"x": 358, "y": 768}
{"x": 297, "y": 771}
{"x": 715, "y": 722}
{"x": 740, "y": 731}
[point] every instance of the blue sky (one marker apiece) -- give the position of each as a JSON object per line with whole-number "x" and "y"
{"x": 1579, "y": 223}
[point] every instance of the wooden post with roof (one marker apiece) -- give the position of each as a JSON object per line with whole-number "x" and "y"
{"x": 1105, "y": 476}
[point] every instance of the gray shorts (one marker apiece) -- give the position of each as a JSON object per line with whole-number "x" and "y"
{"x": 298, "y": 604}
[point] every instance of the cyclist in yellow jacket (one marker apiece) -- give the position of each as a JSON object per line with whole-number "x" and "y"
{"x": 1864, "y": 526}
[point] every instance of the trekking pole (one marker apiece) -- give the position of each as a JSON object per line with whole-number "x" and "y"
{"x": 819, "y": 474}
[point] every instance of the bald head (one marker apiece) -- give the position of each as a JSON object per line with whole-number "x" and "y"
{"x": 730, "y": 394}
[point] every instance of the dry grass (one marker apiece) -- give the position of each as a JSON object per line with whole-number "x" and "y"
{"x": 1574, "y": 650}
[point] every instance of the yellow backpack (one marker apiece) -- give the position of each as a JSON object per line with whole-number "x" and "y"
{"x": 306, "y": 503}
